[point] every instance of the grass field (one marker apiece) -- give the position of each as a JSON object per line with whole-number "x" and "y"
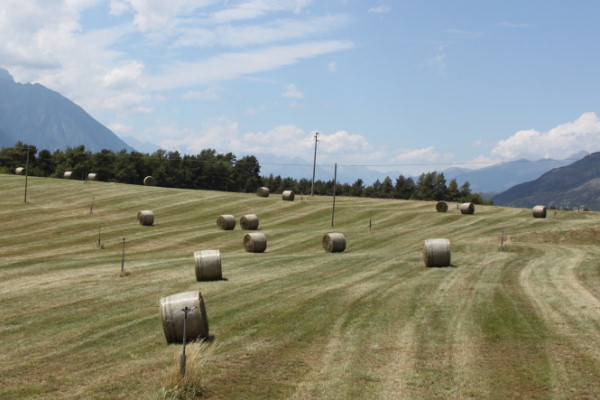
{"x": 294, "y": 322}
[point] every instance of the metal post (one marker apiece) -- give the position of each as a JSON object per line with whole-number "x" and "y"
{"x": 312, "y": 186}
{"x": 26, "y": 174}
{"x": 123, "y": 259}
{"x": 334, "y": 185}
{"x": 100, "y": 238}
{"x": 370, "y": 220}
{"x": 92, "y": 206}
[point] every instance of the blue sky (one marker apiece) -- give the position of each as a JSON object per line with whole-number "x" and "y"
{"x": 400, "y": 85}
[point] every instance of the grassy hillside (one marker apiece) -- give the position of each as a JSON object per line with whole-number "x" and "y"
{"x": 295, "y": 322}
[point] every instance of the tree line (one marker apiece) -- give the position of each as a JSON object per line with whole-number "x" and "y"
{"x": 210, "y": 170}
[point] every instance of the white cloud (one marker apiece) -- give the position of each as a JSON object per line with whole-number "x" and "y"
{"x": 292, "y": 91}
{"x": 250, "y": 111}
{"x": 583, "y": 134}
{"x": 380, "y": 10}
{"x": 119, "y": 128}
{"x": 332, "y": 66}
{"x": 257, "y": 8}
{"x": 219, "y": 133}
{"x": 210, "y": 94}
{"x": 439, "y": 60}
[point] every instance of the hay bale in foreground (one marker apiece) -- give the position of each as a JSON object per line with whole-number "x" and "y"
{"x": 467, "y": 208}
{"x": 92, "y": 176}
{"x": 226, "y": 222}
{"x": 255, "y": 242}
{"x": 172, "y": 316}
{"x": 249, "y": 222}
{"x": 68, "y": 174}
{"x": 288, "y": 195}
{"x": 334, "y": 242}
{"x": 145, "y": 217}
{"x": 208, "y": 265}
{"x": 441, "y": 206}
{"x": 539, "y": 212}
{"x": 20, "y": 171}
{"x": 263, "y": 192}
{"x": 436, "y": 252}
{"x": 149, "y": 181}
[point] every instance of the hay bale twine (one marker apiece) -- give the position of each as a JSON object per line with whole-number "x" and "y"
{"x": 255, "y": 242}
{"x": 20, "y": 171}
{"x": 172, "y": 316}
{"x": 441, "y": 206}
{"x": 539, "y": 212}
{"x": 288, "y": 195}
{"x": 145, "y": 217}
{"x": 226, "y": 222}
{"x": 436, "y": 252}
{"x": 249, "y": 222}
{"x": 263, "y": 192}
{"x": 92, "y": 176}
{"x": 208, "y": 265}
{"x": 68, "y": 174}
{"x": 467, "y": 208}
{"x": 334, "y": 242}
{"x": 149, "y": 181}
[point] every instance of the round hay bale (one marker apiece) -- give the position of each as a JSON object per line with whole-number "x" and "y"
{"x": 467, "y": 208}
{"x": 263, "y": 192}
{"x": 255, "y": 242}
{"x": 249, "y": 222}
{"x": 288, "y": 195}
{"x": 20, "y": 171}
{"x": 208, "y": 265}
{"x": 436, "y": 252}
{"x": 441, "y": 206}
{"x": 149, "y": 181}
{"x": 145, "y": 217}
{"x": 172, "y": 315}
{"x": 334, "y": 242}
{"x": 539, "y": 212}
{"x": 226, "y": 222}
{"x": 92, "y": 176}
{"x": 68, "y": 174}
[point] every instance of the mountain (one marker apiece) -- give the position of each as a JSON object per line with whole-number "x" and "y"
{"x": 34, "y": 114}
{"x": 142, "y": 147}
{"x": 569, "y": 186}
{"x": 500, "y": 177}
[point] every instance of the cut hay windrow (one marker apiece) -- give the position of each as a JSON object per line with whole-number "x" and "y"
{"x": 467, "y": 208}
{"x": 255, "y": 242}
{"x": 263, "y": 192}
{"x": 145, "y": 217}
{"x": 208, "y": 265}
{"x": 334, "y": 242}
{"x": 436, "y": 253}
{"x": 288, "y": 195}
{"x": 249, "y": 222}
{"x": 226, "y": 222}
{"x": 441, "y": 206}
{"x": 539, "y": 212}
{"x": 172, "y": 316}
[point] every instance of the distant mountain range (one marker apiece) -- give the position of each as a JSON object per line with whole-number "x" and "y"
{"x": 34, "y": 114}
{"x": 571, "y": 186}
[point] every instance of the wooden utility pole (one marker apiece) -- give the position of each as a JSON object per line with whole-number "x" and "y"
{"x": 26, "y": 174}
{"x": 334, "y": 185}
{"x": 312, "y": 186}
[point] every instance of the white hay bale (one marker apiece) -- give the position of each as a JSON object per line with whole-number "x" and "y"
{"x": 263, "y": 192}
{"x": 249, "y": 222}
{"x": 92, "y": 176}
{"x": 145, "y": 217}
{"x": 467, "y": 208}
{"x": 20, "y": 171}
{"x": 436, "y": 252}
{"x": 68, "y": 174}
{"x": 441, "y": 206}
{"x": 334, "y": 242}
{"x": 208, "y": 265}
{"x": 172, "y": 316}
{"x": 149, "y": 181}
{"x": 539, "y": 212}
{"x": 255, "y": 242}
{"x": 288, "y": 195}
{"x": 226, "y": 222}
